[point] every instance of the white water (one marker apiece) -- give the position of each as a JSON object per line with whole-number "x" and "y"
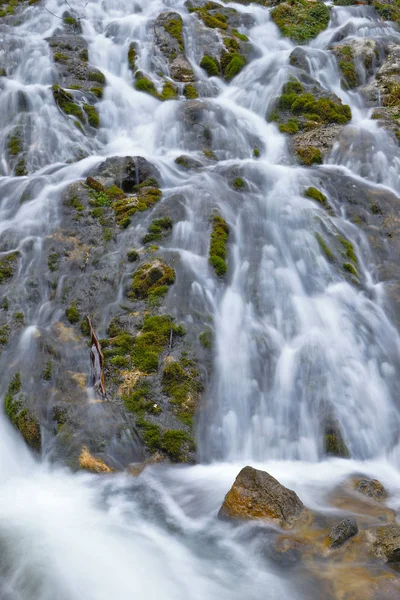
{"x": 291, "y": 334}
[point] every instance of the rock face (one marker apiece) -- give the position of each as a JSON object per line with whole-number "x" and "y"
{"x": 386, "y": 544}
{"x": 371, "y": 488}
{"x": 342, "y": 532}
{"x": 256, "y": 495}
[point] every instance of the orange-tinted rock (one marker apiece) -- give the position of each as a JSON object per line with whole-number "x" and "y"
{"x": 257, "y": 495}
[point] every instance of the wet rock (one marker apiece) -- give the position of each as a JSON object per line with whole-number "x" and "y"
{"x": 168, "y": 34}
{"x": 386, "y": 543}
{"x": 357, "y": 59}
{"x": 333, "y": 438}
{"x": 372, "y": 488}
{"x": 92, "y": 464}
{"x": 70, "y": 53}
{"x": 127, "y": 172}
{"x": 298, "y": 58}
{"x": 257, "y": 495}
{"x": 187, "y": 162}
{"x": 342, "y": 532}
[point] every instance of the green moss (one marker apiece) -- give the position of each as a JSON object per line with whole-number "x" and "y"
{"x": 4, "y": 304}
{"x": 107, "y": 234}
{"x": 48, "y": 371}
{"x": 256, "y": 153}
{"x": 323, "y": 110}
{"x": 133, "y": 256}
{"x": 239, "y": 183}
{"x": 19, "y": 317}
{"x": 175, "y": 28}
{"x": 158, "y": 229}
{"x": 65, "y": 101}
{"x": 93, "y": 117}
{"x": 124, "y": 208}
{"x": 388, "y": 12}
{"x": 335, "y": 447}
{"x": 218, "y": 243}
{"x": 149, "y": 277}
{"x": 232, "y": 64}
{"x": 190, "y": 92}
{"x": 240, "y": 36}
{"x": 141, "y": 400}
{"x": 4, "y": 333}
{"x": 25, "y": 421}
{"x": 317, "y": 195}
{"x": 349, "y": 249}
{"x": 72, "y": 313}
{"x": 206, "y": 339}
{"x": 173, "y": 442}
{"x": 309, "y": 155}
{"x": 132, "y": 55}
{"x": 169, "y": 92}
{"x": 20, "y": 168}
{"x": 324, "y": 247}
{"x": 212, "y": 21}
{"x": 14, "y": 145}
{"x": 349, "y": 268}
{"x": 60, "y": 57}
{"x": 143, "y": 84}
{"x": 97, "y": 91}
{"x": 85, "y": 329}
{"x": 210, "y": 65}
{"x": 349, "y": 73}
{"x": 291, "y": 127}
{"x": 97, "y": 76}
{"x": 8, "y": 265}
{"x": 150, "y": 434}
{"x": 71, "y": 21}
{"x": 301, "y": 20}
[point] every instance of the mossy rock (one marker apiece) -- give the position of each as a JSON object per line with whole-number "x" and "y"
{"x": 22, "y": 418}
{"x": 180, "y": 381}
{"x": 158, "y": 230}
{"x": 301, "y": 20}
{"x": 333, "y": 440}
{"x": 309, "y": 155}
{"x": 210, "y": 65}
{"x": 150, "y": 280}
{"x": 65, "y": 101}
{"x": 218, "y": 245}
{"x": 8, "y": 266}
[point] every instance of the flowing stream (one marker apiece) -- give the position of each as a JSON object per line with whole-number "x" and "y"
{"x": 292, "y": 334}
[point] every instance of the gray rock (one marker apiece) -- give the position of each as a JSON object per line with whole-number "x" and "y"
{"x": 127, "y": 172}
{"x": 342, "y": 532}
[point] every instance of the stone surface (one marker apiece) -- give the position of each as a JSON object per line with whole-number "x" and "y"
{"x": 257, "y": 495}
{"x": 342, "y": 532}
{"x": 386, "y": 543}
{"x": 371, "y": 488}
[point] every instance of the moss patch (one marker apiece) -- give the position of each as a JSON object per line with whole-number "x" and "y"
{"x": 301, "y": 20}
{"x": 324, "y": 247}
{"x": 72, "y": 313}
{"x": 210, "y": 65}
{"x": 309, "y": 155}
{"x": 218, "y": 244}
{"x": 180, "y": 381}
{"x": 65, "y": 101}
{"x": 8, "y": 265}
{"x": 190, "y": 92}
{"x": 23, "y": 419}
{"x": 319, "y": 197}
{"x": 132, "y": 55}
{"x": 158, "y": 229}
{"x": 151, "y": 279}
{"x": 92, "y": 115}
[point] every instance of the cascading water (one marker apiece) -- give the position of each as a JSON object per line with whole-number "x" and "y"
{"x": 293, "y": 337}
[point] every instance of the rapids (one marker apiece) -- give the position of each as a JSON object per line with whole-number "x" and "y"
{"x": 291, "y": 333}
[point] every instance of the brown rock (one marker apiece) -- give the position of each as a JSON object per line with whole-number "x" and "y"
{"x": 386, "y": 543}
{"x": 256, "y": 495}
{"x": 372, "y": 488}
{"x": 90, "y": 463}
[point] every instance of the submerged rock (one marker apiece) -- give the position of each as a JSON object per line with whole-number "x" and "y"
{"x": 333, "y": 438}
{"x": 256, "y": 495}
{"x": 342, "y": 532}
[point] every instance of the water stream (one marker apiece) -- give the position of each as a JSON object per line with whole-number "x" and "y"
{"x": 292, "y": 334}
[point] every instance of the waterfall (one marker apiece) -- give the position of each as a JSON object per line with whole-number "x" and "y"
{"x": 298, "y": 341}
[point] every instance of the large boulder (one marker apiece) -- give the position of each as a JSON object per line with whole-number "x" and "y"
{"x": 256, "y": 495}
